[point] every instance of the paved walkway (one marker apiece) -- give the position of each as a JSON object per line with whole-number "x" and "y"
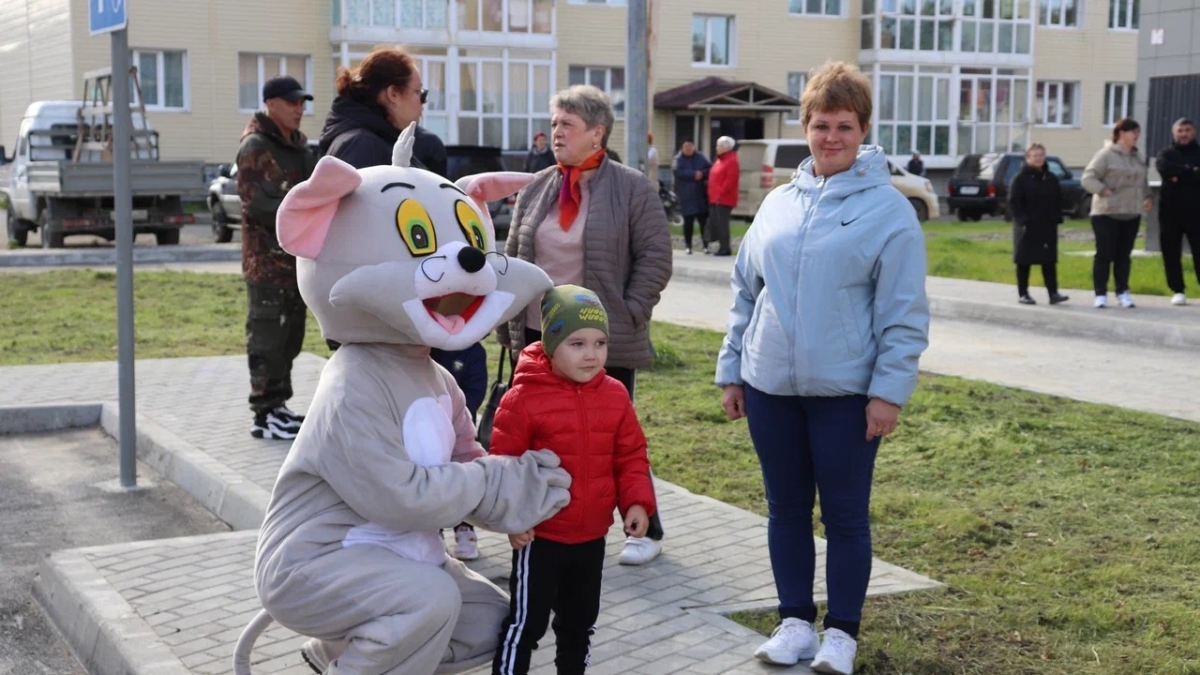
{"x": 177, "y": 606}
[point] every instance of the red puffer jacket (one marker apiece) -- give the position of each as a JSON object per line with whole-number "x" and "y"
{"x": 723, "y": 180}
{"x": 594, "y": 430}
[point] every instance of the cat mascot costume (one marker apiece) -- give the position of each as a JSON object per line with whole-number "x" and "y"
{"x": 394, "y": 260}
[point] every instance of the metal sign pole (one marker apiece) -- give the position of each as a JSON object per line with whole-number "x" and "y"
{"x": 123, "y": 213}
{"x": 637, "y": 94}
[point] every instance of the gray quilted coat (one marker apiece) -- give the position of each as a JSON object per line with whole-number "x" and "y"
{"x": 626, "y": 259}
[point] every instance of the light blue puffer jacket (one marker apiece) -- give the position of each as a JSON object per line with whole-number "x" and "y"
{"x": 829, "y": 289}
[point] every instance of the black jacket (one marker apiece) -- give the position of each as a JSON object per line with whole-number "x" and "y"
{"x": 1179, "y": 166}
{"x": 536, "y": 161}
{"x": 1035, "y": 202}
{"x": 361, "y": 135}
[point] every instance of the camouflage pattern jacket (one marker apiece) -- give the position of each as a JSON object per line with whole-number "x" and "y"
{"x": 268, "y": 166}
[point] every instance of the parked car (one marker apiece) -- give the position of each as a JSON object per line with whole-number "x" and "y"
{"x": 980, "y": 186}
{"x": 224, "y": 204}
{"x": 767, "y": 164}
{"x": 464, "y": 160}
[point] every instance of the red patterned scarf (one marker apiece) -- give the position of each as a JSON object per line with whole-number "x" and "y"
{"x": 570, "y": 196}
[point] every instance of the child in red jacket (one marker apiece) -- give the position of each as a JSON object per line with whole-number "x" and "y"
{"x": 561, "y": 399}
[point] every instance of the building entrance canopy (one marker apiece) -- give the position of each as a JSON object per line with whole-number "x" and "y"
{"x": 714, "y": 93}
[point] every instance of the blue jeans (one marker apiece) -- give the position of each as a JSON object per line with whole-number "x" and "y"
{"x": 806, "y": 446}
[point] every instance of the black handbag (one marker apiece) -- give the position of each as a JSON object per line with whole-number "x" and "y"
{"x": 483, "y": 430}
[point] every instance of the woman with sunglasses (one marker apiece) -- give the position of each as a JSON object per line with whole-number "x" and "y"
{"x": 375, "y": 102}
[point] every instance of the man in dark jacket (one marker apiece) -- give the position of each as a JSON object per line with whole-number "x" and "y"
{"x": 691, "y": 169}
{"x": 272, "y": 159}
{"x": 539, "y": 156}
{"x": 915, "y": 166}
{"x": 1179, "y": 205}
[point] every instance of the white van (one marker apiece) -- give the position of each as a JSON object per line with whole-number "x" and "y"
{"x": 767, "y": 164}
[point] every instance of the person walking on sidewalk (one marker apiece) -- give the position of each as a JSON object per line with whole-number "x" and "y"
{"x": 828, "y": 322}
{"x": 723, "y": 193}
{"x": 561, "y": 398}
{"x": 1117, "y": 177}
{"x": 1035, "y": 202}
{"x": 1179, "y": 205}
{"x": 691, "y": 169}
{"x": 599, "y": 224}
{"x": 272, "y": 159}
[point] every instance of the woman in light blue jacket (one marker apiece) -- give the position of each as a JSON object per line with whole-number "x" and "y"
{"x": 828, "y": 321}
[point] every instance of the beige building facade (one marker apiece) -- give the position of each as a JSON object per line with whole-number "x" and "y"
{"x": 951, "y": 76}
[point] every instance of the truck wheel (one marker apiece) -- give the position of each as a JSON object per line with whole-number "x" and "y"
{"x": 51, "y": 238}
{"x": 167, "y": 237}
{"x": 921, "y": 209}
{"x": 17, "y": 234}
{"x": 222, "y": 233}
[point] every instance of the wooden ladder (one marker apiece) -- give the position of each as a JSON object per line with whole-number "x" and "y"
{"x": 94, "y": 136}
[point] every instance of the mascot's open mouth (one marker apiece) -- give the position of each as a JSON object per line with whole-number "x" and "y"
{"x": 453, "y": 311}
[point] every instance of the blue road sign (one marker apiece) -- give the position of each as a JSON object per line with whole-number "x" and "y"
{"x": 106, "y": 16}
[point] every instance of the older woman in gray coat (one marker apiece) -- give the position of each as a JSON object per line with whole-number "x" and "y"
{"x": 596, "y": 223}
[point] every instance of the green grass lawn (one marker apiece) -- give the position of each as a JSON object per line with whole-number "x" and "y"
{"x": 1066, "y": 532}
{"x": 983, "y": 252}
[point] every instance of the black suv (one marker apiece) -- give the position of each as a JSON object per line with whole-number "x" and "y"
{"x": 465, "y": 160}
{"x": 980, "y": 186}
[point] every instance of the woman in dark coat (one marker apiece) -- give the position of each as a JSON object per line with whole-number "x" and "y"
{"x": 691, "y": 169}
{"x": 1035, "y": 202}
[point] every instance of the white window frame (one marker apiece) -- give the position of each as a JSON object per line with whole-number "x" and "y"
{"x": 731, "y": 45}
{"x": 802, "y": 78}
{"x": 801, "y": 8}
{"x": 160, "y": 83}
{"x": 1131, "y": 16}
{"x": 1046, "y": 7}
{"x": 1043, "y": 113}
{"x": 263, "y": 76}
{"x": 610, "y": 3}
{"x": 1118, "y": 101}
{"x": 607, "y": 88}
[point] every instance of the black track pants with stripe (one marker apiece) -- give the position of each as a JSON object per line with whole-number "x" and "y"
{"x": 565, "y": 578}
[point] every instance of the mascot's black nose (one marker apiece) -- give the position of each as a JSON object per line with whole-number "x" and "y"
{"x": 471, "y": 259}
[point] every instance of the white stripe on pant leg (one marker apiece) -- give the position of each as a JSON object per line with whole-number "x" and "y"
{"x": 587, "y": 658}
{"x": 508, "y": 662}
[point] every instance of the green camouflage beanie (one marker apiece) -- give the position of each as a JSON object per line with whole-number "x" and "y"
{"x": 566, "y": 309}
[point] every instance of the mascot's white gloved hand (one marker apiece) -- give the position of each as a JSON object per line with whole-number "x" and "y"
{"x": 521, "y": 491}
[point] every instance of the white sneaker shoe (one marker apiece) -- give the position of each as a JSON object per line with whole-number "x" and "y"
{"x": 791, "y": 642}
{"x": 318, "y": 654}
{"x": 639, "y": 551}
{"x": 1126, "y": 300}
{"x": 1179, "y": 299}
{"x": 466, "y": 544}
{"x": 837, "y": 653}
{"x": 1100, "y": 302}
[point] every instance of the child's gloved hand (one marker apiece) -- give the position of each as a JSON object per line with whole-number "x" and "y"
{"x": 519, "y": 541}
{"x": 636, "y": 521}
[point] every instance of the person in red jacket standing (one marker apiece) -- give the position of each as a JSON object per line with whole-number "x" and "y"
{"x": 562, "y": 399}
{"x": 723, "y": 193}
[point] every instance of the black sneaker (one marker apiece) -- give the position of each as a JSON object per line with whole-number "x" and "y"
{"x": 270, "y": 426}
{"x": 285, "y": 413}
{"x": 1056, "y": 298}
{"x": 1026, "y": 300}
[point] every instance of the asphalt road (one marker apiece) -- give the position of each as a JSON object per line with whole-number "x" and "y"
{"x": 53, "y": 496}
{"x": 191, "y": 235}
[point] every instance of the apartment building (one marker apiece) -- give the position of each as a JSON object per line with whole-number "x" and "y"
{"x": 951, "y": 76}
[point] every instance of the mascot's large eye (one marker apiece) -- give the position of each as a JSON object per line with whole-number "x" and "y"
{"x": 471, "y": 226}
{"x": 416, "y": 228}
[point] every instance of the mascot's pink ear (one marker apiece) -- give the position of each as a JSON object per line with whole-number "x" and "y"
{"x": 306, "y": 212}
{"x": 489, "y": 187}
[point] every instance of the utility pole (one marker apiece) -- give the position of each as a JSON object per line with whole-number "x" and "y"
{"x": 637, "y": 85}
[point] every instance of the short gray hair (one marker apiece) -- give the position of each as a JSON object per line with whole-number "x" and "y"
{"x": 726, "y": 143}
{"x": 591, "y": 104}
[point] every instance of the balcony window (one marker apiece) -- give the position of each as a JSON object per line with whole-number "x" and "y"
{"x": 815, "y": 7}
{"x": 1004, "y": 27}
{"x": 712, "y": 40}
{"x": 925, "y": 25}
{"x": 914, "y": 113}
{"x": 513, "y": 16}
{"x": 417, "y": 14}
{"x": 490, "y": 115}
{"x": 1123, "y": 14}
{"x": 608, "y": 80}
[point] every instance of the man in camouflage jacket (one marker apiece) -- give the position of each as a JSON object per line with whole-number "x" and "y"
{"x": 273, "y": 158}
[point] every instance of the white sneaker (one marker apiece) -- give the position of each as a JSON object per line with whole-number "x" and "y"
{"x": 639, "y": 551}
{"x": 466, "y": 544}
{"x": 1179, "y": 299}
{"x": 1126, "y": 300}
{"x": 791, "y": 642}
{"x": 1101, "y": 302}
{"x": 319, "y": 653}
{"x": 837, "y": 653}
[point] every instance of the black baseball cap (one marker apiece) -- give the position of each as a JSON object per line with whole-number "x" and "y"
{"x": 285, "y": 87}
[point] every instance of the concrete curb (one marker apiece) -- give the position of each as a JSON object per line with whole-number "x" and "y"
{"x": 104, "y": 632}
{"x": 108, "y": 256}
{"x": 35, "y": 419}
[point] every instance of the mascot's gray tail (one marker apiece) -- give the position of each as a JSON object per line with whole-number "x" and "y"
{"x": 245, "y": 643}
